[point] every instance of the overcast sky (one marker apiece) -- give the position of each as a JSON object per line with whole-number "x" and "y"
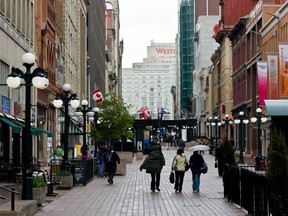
{"x": 142, "y": 21}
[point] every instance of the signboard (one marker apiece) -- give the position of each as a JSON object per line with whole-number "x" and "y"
{"x": 5, "y": 104}
{"x": 79, "y": 177}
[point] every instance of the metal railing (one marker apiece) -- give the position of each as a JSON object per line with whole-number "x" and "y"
{"x": 13, "y": 192}
{"x": 253, "y": 191}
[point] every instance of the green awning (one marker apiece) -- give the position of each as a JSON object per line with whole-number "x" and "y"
{"x": 35, "y": 131}
{"x": 15, "y": 128}
{"x": 49, "y": 133}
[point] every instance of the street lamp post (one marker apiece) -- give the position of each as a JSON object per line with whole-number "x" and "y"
{"x": 258, "y": 118}
{"x": 58, "y": 102}
{"x": 38, "y": 78}
{"x": 240, "y": 120}
{"x": 216, "y": 122}
{"x": 85, "y": 110}
{"x": 95, "y": 120}
{"x": 209, "y": 123}
{"x": 227, "y": 122}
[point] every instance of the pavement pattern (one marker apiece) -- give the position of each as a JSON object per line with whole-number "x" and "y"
{"x": 130, "y": 195}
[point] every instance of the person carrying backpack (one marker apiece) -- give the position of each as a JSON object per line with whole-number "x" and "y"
{"x": 196, "y": 162}
{"x": 111, "y": 160}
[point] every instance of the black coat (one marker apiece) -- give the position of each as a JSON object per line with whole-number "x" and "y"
{"x": 196, "y": 161}
{"x": 113, "y": 163}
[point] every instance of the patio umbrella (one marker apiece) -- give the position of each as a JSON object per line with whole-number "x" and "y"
{"x": 199, "y": 148}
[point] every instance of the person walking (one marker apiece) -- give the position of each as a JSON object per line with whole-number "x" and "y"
{"x": 196, "y": 162}
{"x": 178, "y": 164}
{"x": 100, "y": 163}
{"x": 219, "y": 158}
{"x": 153, "y": 165}
{"x": 111, "y": 160}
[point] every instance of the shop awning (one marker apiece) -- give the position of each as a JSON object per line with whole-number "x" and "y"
{"x": 15, "y": 128}
{"x": 35, "y": 131}
{"x": 277, "y": 107}
{"x": 49, "y": 133}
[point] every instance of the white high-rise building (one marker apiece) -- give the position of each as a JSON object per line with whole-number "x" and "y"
{"x": 149, "y": 83}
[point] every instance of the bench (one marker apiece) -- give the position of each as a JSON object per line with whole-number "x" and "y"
{"x": 50, "y": 183}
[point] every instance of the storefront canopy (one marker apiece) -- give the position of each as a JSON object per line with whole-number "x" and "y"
{"x": 34, "y": 130}
{"x": 15, "y": 128}
{"x": 17, "y": 124}
{"x": 277, "y": 107}
{"x": 49, "y": 134}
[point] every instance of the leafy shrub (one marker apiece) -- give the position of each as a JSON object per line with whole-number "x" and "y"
{"x": 277, "y": 160}
{"x": 38, "y": 181}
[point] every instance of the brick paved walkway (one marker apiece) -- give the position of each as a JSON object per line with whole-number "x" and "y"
{"x": 130, "y": 195}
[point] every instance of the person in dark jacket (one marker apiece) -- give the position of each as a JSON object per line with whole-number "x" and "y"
{"x": 111, "y": 163}
{"x": 196, "y": 162}
{"x": 219, "y": 158}
{"x": 154, "y": 164}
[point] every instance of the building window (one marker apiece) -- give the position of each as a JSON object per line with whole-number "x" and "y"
{"x": 4, "y": 72}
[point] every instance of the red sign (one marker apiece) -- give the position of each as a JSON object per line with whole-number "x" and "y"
{"x": 165, "y": 51}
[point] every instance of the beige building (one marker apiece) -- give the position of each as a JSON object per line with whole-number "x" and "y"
{"x": 75, "y": 45}
{"x": 113, "y": 49}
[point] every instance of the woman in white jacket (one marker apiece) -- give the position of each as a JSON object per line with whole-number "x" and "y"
{"x": 178, "y": 164}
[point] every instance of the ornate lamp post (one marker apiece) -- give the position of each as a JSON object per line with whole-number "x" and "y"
{"x": 259, "y": 118}
{"x": 38, "y": 78}
{"x": 216, "y": 122}
{"x": 85, "y": 110}
{"x": 95, "y": 120}
{"x": 240, "y": 120}
{"x": 209, "y": 123}
{"x": 58, "y": 102}
{"x": 227, "y": 122}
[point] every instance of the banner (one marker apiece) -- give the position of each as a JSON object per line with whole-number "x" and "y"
{"x": 262, "y": 81}
{"x": 283, "y": 69}
{"x": 272, "y": 60}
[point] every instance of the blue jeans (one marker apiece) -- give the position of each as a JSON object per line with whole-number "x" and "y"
{"x": 101, "y": 169}
{"x": 196, "y": 179}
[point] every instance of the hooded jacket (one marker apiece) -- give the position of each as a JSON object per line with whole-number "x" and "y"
{"x": 155, "y": 161}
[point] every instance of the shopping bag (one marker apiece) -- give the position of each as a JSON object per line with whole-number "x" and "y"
{"x": 172, "y": 177}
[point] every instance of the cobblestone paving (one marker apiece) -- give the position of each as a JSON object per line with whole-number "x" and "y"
{"x": 130, "y": 195}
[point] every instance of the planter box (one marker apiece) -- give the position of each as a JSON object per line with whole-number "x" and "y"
{"x": 66, "y": 181}
{"x": 39, "y": 194}
{"x": 139, "y": 155}
{"x": 121, "y": 168}
{"x": 128, "y": 156}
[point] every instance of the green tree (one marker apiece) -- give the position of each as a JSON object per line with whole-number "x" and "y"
{"x": 277, "y": 160}
{"x": 277, "y": 173}
{"x": 115, "y": 120}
